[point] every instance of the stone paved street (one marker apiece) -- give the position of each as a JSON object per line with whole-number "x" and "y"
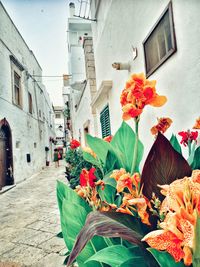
{"x": 29, "y": 222}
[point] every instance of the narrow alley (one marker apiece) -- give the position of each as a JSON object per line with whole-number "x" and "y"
{"x": 29, "y": 222}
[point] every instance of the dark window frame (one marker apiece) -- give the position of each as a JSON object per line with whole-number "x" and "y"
{"x": 17, "y": 89}
{"x": 30, "y": 103}
{"x": 105, "y": 122}
{"x": 172, "y": 50}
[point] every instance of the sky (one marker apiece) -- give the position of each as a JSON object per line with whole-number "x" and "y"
{"x": 43, "y": 25}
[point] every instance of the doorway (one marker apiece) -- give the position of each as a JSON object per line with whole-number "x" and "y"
{"x": 6, "y": 155}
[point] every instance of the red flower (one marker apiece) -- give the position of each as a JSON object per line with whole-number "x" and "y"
{"x": 188, "y": 136}
{"x": 74, "y": 144}
{"x": 108, "y": 138}
{"x": 87, "y": 178}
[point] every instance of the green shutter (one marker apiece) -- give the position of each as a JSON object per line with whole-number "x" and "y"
{"x": 105, "y": 122}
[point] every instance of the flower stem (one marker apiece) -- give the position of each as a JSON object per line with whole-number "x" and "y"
{"x": 135, "y": 152}
{"x": 189, "y": 147}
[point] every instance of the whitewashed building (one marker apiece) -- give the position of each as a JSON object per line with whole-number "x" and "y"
{"x": 59, "y": 125}
{"x": 79, "y": 30}
{"x": 26, "y": 112}
{"x": 159, "y": 38}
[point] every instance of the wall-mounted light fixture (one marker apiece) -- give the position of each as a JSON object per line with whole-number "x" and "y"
{"x": 121, "y": 66}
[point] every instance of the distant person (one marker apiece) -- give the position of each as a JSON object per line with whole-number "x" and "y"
{"x": 56, "y": 157}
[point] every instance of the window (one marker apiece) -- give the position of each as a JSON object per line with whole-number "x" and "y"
{"x": 160, "y": 43}
{"x": 17, "y": 89}
{"x": 30, "y": 103}
{"x": 58, "y": 116}
{"x": 105, "y": 122}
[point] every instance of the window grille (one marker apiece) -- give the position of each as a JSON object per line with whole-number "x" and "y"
{"x": 105, "y": 122}
{"x": 160, "y": 43}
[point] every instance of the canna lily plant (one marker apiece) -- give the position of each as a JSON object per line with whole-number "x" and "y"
{"x": 123, "y": 216}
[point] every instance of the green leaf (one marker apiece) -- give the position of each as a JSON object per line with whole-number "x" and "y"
{"x": 67, "y": 257}
{"x": 60, "y": 235}
{"x": 73, "y": 213}
{"x": 98, "y": 223}
{"x": 175, "y": 143}
{"x": 113, "y": 255}
{"x": 196, "y": 250}
{"x": 88, "y": 157}
{"x": 123, "y": 144}
{"x": 164, "y": 258}
{"x": 191, "y": 157}
{"x": 162, "y": 166}
{"x": 196, "y": 161}
{"x": 110, "y": 181}
{"x": 108, "y": 194}
{"x": 99, "y": 146}
{"x": 112, "y": 162}
{"x": 136, "y": 261}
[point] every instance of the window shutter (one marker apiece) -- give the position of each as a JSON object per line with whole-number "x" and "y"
{"x": 105, "y": 122}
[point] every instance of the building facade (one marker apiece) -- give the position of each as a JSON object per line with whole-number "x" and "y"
{"x": 26, "y": 112}
{"x": 81, "y": 75}
{"x": 159, "y": 38}
{"x": 59, "y": 126}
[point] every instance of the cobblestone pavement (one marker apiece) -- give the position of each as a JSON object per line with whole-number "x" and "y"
{"x": 29, "y": 222}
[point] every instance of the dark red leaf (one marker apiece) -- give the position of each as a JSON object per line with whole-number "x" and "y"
{"x": 162, "y": 166}
{"x": 97, "y": 223}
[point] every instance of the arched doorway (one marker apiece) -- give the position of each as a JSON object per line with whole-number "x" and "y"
{"x": 6, "y": 156}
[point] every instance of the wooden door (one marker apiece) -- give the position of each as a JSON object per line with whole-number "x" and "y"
{"x": 2, "y": 159}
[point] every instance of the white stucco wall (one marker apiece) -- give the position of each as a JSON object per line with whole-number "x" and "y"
{"x": 84, "y": 116}
{"x": 77, "y": 28}
{"x": 122, "y": 24}
{"x": 30, "y": 132}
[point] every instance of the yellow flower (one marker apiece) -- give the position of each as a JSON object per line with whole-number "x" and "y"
{"x": 90, "y": 151}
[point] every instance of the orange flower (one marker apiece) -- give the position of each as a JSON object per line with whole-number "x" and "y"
{"x": 197, "y": 124}
{"x": 162, "y": 126}
{"x": 138, "y": 93}
{"x": 165, "y": 240}
{"x": 124, "y": 210}
{"x": 130, "y": 111}
{"x": 117, "y": 174}
{"x": 141, "y": 205}
{"x": 180, "y": 205}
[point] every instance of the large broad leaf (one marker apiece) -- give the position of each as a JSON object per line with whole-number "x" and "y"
{"x": 107, "y": 194}
{"x": 113, "y": 255}
{"x": 196, "y": 159}
{"x": 99, "y": 146}
{"x": 123, "y": 144}
{"x": 112, "y": 162}
{"x": 192, "y": 153}
{"x": 88, "y": 157}
{"x": 65, "y": 192}
{"x": 175, "y": 143}
{"x": 100, "y": 224}
{"x": 73, "y": 213}
{"x": 165, "y": 259}
{"x": 196, "y": 251}
{"x": 74, "y": 220}
{"x": 162, "y": 166}
{"x": 137, "y": 261}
